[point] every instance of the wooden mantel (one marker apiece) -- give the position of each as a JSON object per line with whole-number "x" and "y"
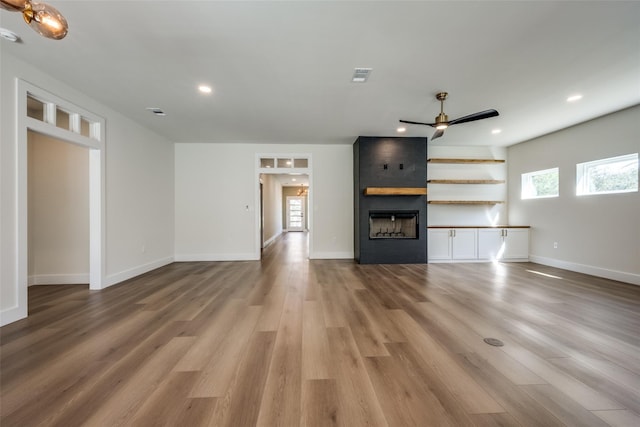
{"x": 395, "y": 191}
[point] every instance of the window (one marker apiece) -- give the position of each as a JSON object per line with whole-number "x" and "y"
{"x": 288, "y": 162}
{"x": 612, "y": 175}
{"x": 65, "y": 117}
{"x": 540, "y": 184}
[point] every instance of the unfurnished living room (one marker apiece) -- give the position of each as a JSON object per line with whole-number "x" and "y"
{"x": 319, "y": 213}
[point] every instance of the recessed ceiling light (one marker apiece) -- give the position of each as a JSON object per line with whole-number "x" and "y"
{"x": 288, "y": 162}
{"x": 401, "y": 129}
{"x": 205, "y": 89}
{"x": 9, "y": 35}
{"x": 574, "y": 98}
{"x": 293, "y": 179}
{"x": 496, "y": 131}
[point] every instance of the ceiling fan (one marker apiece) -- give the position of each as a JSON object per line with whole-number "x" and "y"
{"x": 442, "y": 120}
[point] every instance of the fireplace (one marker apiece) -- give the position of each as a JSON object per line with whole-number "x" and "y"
{"x": 390, "y": 216}
{"x": 393, "y": 224}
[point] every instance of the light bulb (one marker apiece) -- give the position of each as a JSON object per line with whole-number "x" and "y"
{"x": 46, "y": 20}
{"x": 442, "y": 126}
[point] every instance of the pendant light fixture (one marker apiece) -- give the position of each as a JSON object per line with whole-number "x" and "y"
{"x": 43, "y": 18}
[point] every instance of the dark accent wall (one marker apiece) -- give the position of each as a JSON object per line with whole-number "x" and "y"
{"x": 389, "y": 162}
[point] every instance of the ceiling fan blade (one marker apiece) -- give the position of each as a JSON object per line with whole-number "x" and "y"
{"x": 417, "y": 123}
{"x": 475, "y": 116}
{"x": 437, "y": 134}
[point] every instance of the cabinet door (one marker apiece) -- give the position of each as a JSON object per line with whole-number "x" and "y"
{"x": 490, "y": 243}
{"x": 438, "y": 243}
{"x": 516, "y": 243}
{"x": 464, "y": 243}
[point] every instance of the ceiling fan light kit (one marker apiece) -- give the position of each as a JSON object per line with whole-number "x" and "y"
{"x": 45, "y": 19}
{"x": 442, "y": 121}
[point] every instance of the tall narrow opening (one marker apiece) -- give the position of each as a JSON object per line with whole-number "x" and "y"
{"x": 58, "y": 211}
{"x": 46, "y": 114}
{"x": 284, "y": 195}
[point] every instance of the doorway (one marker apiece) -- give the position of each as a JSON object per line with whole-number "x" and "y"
{"x": 284, "y": 199}
{"x": 47, "y": 114}
{"x": 58, "y": 211}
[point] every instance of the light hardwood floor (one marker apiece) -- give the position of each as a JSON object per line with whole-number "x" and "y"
{"x": 288, "y": 341}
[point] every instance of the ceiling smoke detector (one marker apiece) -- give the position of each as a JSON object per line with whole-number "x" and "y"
{"x": 361, "y": 75}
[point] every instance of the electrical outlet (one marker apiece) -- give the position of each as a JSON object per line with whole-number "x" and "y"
{"x": 555, "y": 245}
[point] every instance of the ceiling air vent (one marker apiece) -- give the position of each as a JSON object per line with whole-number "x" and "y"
{"x": 361, "y": 75}
{"x": 157, "y": 111}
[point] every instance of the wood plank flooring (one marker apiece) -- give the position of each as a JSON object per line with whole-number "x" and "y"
{"x": 290, "y": 342}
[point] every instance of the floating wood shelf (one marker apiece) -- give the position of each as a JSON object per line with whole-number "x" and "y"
{"x": 464, "y": 202}
{"x": 395, "y": 191}
{"x": 465, "y": 161}
{"x": 466, "y": 181}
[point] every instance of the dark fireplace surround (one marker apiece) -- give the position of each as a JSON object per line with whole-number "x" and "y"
{"x": 390, "y": 229}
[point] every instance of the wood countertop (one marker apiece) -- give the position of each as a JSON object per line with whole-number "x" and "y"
{"x": 478, "y": 226}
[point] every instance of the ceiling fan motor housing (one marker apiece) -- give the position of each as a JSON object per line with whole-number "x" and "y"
{"x": 442, "y": 121}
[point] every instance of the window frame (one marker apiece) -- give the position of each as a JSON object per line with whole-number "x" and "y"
{"x": 526, "y": 180}
{"x": 583, "y": 174}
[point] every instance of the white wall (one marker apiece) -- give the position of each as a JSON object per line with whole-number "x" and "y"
{"x": 597, "y": 234}
{"x": 139, "y": 189}
{"x": 473, "y": 215}
{"x": 272, "y": 199}
{"x": 58, "y": 204}
{"x": 216, "y": 188}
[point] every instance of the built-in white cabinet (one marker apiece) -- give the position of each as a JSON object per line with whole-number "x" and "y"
{"x": 503, "y": 243}
{"x": 452, "y": 244}
{"x": 478, "y": 244}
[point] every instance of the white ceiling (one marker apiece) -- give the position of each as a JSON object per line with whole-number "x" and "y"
{"x": 281, "y": 71}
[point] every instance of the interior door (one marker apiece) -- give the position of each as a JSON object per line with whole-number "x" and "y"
{"x": 295, "y": 213}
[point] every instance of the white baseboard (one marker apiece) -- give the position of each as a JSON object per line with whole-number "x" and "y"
{"x": 271, "y": 239}
{"x": 620, "y": 276}
{"x": 136, "y": 271}
{"x": 58, "y": 279}
{"x": 216, "y": 257}
{"x": 12, "y": 314}
{"x": 331, "y": 255}
{"x": 452, "y": 261}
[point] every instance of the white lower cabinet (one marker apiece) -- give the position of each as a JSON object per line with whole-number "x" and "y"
{"x": 490, "y": 243}
{"x": 478, "y": 244}
{"x": 452, "y": 244}
{"x": 503, "y": 243}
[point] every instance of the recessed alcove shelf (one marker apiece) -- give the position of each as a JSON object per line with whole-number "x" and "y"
{"x": 395, "y": 191}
